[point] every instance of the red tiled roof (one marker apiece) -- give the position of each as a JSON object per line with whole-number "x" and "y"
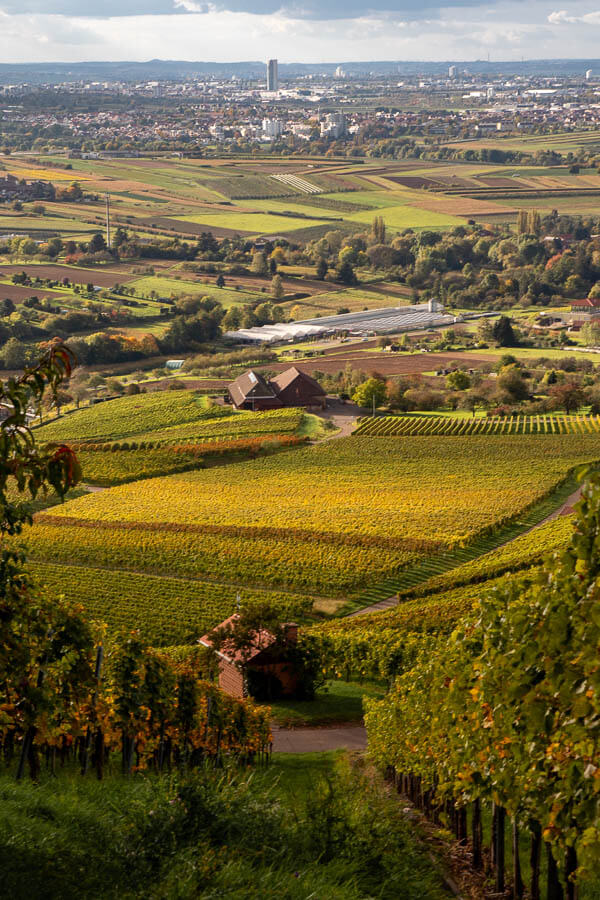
{"x": 263, "y": 640}
{"x": 588, "y": 303}
{"x": 284, "y": 379}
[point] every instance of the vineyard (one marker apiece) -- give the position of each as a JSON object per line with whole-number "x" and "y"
{"x": 110, "y": 464}
{"x": 275, "y": 524}
{"x": 405, "y": 494}
{"x": 504, "y": 713}
{"x": 524, "y": 551}
{"x": 381, "y": 644}
{"x": 167, "y": 611}
{"x": 392, "y": 426}
{"x": 127, "y": 416}
{"x": 164, "y": 418}
{"x": 327, "y": 567}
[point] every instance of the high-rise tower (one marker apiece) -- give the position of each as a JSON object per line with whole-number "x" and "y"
{"x": 272, "y": 75}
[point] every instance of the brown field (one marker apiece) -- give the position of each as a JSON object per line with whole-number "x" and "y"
{"x": 290, "y": 285}
{"x": 461, "y": 206}
{"x": 188, "y": 228}
{"x": 17, "y": 293}
{"x": 384, "y": 364}
{"x": 100, "y": 277}
{"x": 414, "y": 181}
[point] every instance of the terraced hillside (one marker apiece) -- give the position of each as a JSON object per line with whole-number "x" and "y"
{"x": 317, "y": 524}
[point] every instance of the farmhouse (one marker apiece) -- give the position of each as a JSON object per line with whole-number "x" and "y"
{"x": 589, "y": 306}
{"x": 265, "y": 671}
{"x": 290, "y": 388}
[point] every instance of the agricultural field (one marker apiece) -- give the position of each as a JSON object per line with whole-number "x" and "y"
{"x": 454, "y": 488}
{"x": 167, "y": 610}
{"x": 191, "y": 196}
{"x": 388, "y": 426}
{"x": 165, "y": 287}
{"x": 119, "y": 463}
{"x": 165, "y": 417}
{"x": 167, "y": 196}
{"x": 251, "y": 223}
{"x": 127, "y": 416}
{"x": 276, "y": 523}
{"x": 523, "y": 552}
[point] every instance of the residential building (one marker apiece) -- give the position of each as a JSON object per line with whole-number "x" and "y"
{"x": 272, "y": 128}
{"x": 290, "y": 388}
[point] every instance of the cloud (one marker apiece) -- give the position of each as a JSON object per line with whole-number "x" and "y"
{"x": 204, "y": 30}
{"x": 562, "y": 17}
{"x": 295, "y": 9}
{"x": 192, "y": 7}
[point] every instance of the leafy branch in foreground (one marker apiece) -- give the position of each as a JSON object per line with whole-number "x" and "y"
{"x": 25, "y": 465}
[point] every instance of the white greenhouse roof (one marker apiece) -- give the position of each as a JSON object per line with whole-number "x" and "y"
{"x": 380, "y": 321}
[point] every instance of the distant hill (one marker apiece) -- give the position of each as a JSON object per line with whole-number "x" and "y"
{"x": 158, "y": 69}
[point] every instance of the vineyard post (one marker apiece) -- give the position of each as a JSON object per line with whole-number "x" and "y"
{"x": 570, "y": 870}
{"x": 27, "y": 750}
{"x": 535, "y": 859}
{"x": 554, "y": 889}
{"x": 477, "y": 834}
{"x": 88, "y": 737}
{"x": 518, "y": 886}
{"x": 500, "y": 816}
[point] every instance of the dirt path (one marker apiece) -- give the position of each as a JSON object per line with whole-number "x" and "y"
{"x": 343, "y": 416}
{"x": 318, "y": 740}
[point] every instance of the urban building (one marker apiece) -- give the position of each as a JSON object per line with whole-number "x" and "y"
{"x": 272, "y": 128}
{"x": 334, "y": 126}
{"x": 272, "y": 75}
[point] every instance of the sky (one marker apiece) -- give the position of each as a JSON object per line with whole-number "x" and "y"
{"x": 296, "y": 30}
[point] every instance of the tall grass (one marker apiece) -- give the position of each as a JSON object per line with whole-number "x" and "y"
{"x": 209, "y": 834}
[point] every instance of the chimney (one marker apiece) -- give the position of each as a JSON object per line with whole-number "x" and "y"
{"x": 291, "y": 633}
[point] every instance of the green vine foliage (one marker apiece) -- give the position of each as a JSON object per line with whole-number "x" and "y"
{"x": 24, "y": 464}
{"x": 508, "y": 708}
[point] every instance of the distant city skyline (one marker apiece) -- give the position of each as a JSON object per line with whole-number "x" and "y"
{"x": 229, "y": 30}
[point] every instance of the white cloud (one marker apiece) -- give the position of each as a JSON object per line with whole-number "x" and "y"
{"x": 192, "y": 7}
{"x": 507, "y": 30}
{"x": 562, "y": 17}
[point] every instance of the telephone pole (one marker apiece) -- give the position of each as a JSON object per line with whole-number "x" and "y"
{"x": 108, "y": 221}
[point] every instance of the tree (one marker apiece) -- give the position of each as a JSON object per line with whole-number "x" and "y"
{"x": 458, "y": 380}
{"x": 13, "y": 354}
{"x": 259, "y": 263}
{"x": 322, "y": 268}
{"x": 220, "y": 281}
{"x": 7, "y": 307}
{"x": 568, "y": 395}
{"x": 232, "y": 319}
{"x": 502, "y": 332}
{"x": 277, "y": 291}
{"x": 378, "y": 230}
{"x": 97, "y": 243}
{"x": 512, "y": 386}
{"x": 534, "y": 222}
{"x": 473, "y": 399}
{"x": 522, "y": 221}
{"x": 345, "y": 274}
{"x": 372, "y": 392}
